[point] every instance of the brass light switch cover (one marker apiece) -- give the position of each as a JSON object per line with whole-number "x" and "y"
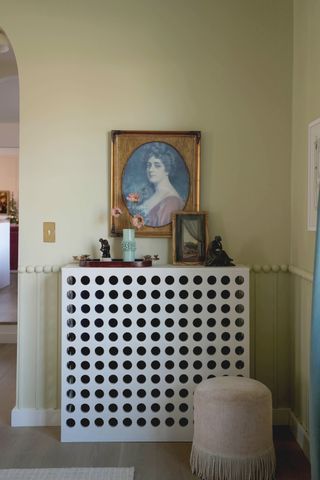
{"x": 49, "y": 232}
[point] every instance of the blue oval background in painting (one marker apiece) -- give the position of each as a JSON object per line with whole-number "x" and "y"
{"x": 135, "y": 180}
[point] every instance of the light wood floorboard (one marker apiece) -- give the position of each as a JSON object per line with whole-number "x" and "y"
{"x": 7, "y": 381}
{"x": 24, "y": 447}
{"x": 41, "y": 447}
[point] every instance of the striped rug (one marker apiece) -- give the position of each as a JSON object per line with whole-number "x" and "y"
{"x": 91, "y": 473}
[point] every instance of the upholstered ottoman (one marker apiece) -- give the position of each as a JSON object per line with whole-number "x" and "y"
{"x": 232, "y": 430}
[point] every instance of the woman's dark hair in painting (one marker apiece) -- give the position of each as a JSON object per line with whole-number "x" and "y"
{"x": 164, "y": 152}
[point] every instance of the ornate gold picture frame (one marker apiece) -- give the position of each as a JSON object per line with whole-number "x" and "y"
{"x": 153, "y": 174}
{"x": 189, "y": 237}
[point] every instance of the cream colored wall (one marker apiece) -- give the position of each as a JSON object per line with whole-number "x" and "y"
{"x": 306, "y": 108}
{"x": 220, "y": 67}
{"x": 270, "y": 330}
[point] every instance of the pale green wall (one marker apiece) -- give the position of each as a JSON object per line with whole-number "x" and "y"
{"x": 220, "y": 67}
{"x": 306, "y": 108}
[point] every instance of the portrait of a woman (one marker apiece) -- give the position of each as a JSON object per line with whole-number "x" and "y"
{"x": 157, "y": 173}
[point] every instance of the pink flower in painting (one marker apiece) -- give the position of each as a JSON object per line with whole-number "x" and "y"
{"x": 138, "y": 221}
{"x": 133, "y": 197}
{"x": 116, "y": 212}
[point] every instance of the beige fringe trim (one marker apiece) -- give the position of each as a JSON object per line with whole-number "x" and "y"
{"x": 215, "y": 467}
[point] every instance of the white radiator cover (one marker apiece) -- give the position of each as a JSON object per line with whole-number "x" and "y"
{"x": 137, "y": 341}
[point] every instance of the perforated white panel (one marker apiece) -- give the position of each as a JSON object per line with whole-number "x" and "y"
{"x": 136, "y": 342}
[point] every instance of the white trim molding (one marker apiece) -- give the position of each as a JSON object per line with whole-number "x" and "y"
{"x": 32, "y": 417}
{"x": 300, "y": 434}
{"x": 269, "y": 268}
{"x": 301, "y": 273}
{"x": 39, "y": 269}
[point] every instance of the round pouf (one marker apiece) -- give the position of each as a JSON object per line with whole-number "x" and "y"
{"x": 232, "y": 430}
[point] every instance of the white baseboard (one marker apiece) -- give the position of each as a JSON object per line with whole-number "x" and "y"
{"x": 300, "y": 434}
{"x": 8, "y": 333}
{"x": 281, "y": 416}
{"x": 32, "y": 417}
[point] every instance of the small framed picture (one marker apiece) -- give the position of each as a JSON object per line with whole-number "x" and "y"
{"x": 189, "y": 237}
{"x": 4, "y": 202}
{"x": 153, "y": 174}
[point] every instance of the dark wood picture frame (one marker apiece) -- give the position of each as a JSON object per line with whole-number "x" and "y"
{"x": 130, "y": 160}
{"x": 189, "y": 237}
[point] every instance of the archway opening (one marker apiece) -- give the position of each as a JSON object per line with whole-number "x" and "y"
{"x": 9, "y": 223}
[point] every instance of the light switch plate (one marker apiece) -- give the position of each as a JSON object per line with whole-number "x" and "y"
{"x": 49, "y": 232}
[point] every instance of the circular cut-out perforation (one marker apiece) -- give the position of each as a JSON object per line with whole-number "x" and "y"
{"x": 136, "y": 343}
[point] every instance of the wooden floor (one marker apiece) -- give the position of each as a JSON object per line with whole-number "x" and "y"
{"x": 41, "y": 448}
{"x": 291, "y": 462}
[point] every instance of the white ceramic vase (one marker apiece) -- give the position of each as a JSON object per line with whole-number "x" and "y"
{"x": 128, "y": 244}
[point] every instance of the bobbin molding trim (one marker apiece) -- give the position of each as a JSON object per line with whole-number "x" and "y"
{"x": 269, "y": 268}
{"x": 39, "y": 269}
{"x": 256, "y": 268}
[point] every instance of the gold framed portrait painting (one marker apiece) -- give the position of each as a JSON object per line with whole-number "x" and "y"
{"x": 153, "y": 174}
